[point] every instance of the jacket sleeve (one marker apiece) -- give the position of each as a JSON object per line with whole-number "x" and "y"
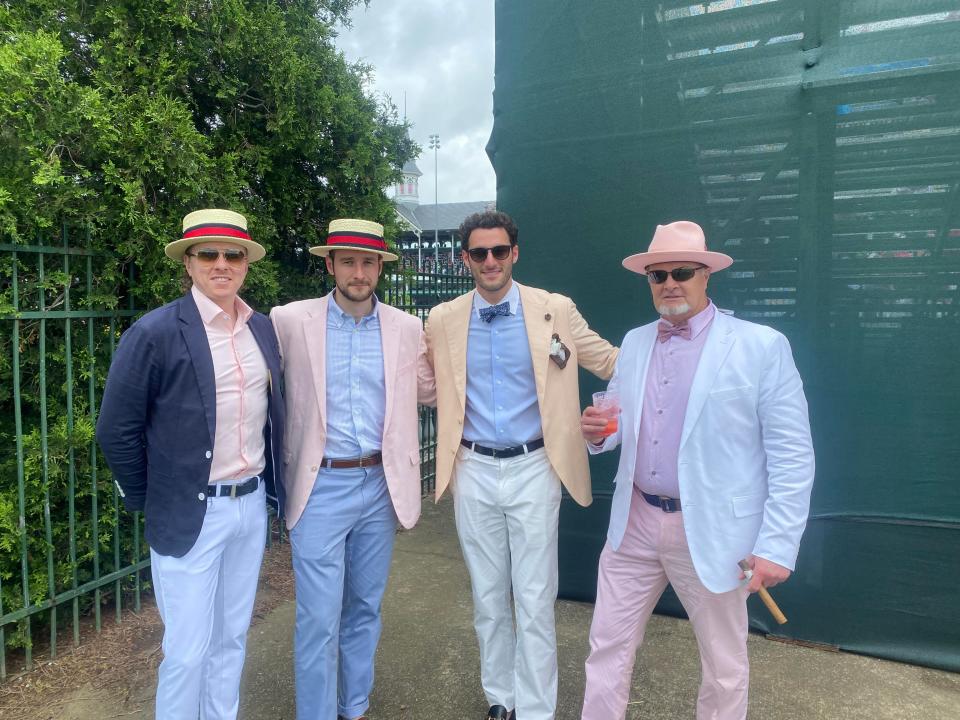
{"x": 426, "y": 381}
{"x": 785, "y": 430}
{"x": 613, "y": 440}
{"x": 426, "y": 374}
{"x": 593, "y": 352}
{"x": 121, "y": 426}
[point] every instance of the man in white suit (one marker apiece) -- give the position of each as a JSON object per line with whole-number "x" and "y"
{"x": 716, "y": 466}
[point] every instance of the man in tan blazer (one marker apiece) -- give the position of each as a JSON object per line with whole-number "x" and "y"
{"x": 505, "y": 358}
{"x": 355, "y": 369}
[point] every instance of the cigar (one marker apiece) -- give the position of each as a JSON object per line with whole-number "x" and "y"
{"x": 764, "y": 595}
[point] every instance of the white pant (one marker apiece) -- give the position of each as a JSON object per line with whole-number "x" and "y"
{"x": 206, "y": 599}
{"x": 507, "y": 513}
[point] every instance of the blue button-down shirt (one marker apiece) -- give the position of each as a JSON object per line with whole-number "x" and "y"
{"x": 356, "y": 392}
{"x": 502, "y": 407}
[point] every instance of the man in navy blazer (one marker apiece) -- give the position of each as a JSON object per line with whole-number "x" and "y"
{"x": 190, "y": 424}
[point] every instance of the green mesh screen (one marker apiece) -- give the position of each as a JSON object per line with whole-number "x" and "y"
{"x": 818, "y": 143}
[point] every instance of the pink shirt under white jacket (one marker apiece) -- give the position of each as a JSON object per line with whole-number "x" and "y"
{"x": 745, "y": 463}
{"x": 242, "y": 382}
{"x": 672, "y": 367}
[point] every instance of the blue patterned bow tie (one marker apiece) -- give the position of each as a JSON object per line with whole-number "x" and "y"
{"x": 488, "y": 313}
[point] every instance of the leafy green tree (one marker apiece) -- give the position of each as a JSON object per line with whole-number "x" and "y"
{"x": 117, "y": 117}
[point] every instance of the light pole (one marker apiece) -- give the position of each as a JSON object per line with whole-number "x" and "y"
{"x": 435, "y": 145}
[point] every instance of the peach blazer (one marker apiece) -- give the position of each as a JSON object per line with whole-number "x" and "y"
{"x": 301, "y": 329}
{"x": 558, "y": 390}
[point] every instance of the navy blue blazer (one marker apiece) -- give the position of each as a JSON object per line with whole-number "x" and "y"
{"x": 158, "y": 416}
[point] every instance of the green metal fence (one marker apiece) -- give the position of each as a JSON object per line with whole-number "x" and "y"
{"x": 57, "y": 339}
{"x": 66, "y": 543}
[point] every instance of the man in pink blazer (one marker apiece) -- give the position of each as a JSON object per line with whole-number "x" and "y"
{"x": 354, "y": 369}
{"x": 716, "y": 466}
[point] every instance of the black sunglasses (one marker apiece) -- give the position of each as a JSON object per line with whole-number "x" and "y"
{"x": 680, "y": 274}
{"x": 209, "y": 255}
{"x": 499, "y": 252}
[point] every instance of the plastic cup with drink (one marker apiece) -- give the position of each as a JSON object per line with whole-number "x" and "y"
{"x": 607, "y": 403}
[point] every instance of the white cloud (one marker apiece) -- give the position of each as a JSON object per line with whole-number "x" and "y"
{"x": 435, "y": 58}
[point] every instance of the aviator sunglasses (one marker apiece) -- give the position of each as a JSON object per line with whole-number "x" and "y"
{"x": 680, "y": 274}
{"x": 209, "y": 255}
{"x": 500, "y": 252}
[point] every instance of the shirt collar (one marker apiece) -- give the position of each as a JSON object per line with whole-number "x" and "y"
{"x": 512, "y": 297}
{"x": 338, "y": 318}
{"x": 210, "y": 311}
{"x": 701, "y": 321}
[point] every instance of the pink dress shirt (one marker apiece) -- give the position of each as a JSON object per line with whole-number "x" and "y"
{"x": 242, "y": 385}
{"x": 672, "y": 367}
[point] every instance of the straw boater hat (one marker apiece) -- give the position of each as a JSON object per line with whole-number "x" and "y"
{"x": 355, "y": 235}
{"x": 219, "y": 225}
{"x": 678, "y": 241}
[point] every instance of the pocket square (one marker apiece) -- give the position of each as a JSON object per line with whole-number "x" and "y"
{"x": 559, "y": 352}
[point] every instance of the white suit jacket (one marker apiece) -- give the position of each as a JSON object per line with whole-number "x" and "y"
{"x": 746, "y": 461}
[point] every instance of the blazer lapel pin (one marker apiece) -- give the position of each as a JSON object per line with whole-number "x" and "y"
{"x": 559, "y": 352}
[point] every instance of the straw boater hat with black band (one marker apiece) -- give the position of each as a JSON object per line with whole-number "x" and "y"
{"x": 347, "y": 234}
{"x": 219, "y": 225}
{"x": 678, "y": 242}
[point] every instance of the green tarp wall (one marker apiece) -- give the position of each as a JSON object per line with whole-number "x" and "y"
{"x": 818, "y": 143}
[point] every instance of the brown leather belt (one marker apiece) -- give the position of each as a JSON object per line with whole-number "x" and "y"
{"x": 366, "y": 461}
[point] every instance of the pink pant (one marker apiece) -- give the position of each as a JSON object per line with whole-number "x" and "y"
{"x": 631, "y": 579}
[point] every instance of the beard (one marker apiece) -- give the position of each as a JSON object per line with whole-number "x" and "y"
{"x": 667, "y": 310}
{"x": 356, "y": 293}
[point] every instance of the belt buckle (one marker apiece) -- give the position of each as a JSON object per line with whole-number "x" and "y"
{"x": 363, "y": 462}
{"x": 666, "y": 504}
{"x": 233, "y": 490}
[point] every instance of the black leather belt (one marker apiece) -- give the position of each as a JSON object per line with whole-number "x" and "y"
{"x": 234, "y": 490}
{"x": 360, "y": 462}
{"x": 504, "y": 452}
{"x": 667, "y": 504}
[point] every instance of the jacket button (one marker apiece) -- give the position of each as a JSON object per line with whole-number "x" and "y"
{"x": 201, "y": 496}
{"x": 547, "y": 316}
{"x": 313, "y": 468}
{"x": 208, "y": 455}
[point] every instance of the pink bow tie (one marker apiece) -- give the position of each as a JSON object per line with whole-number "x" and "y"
{"x": 666, "y": 330}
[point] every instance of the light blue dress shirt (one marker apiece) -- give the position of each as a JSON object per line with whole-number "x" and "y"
{"x": 356, "y": 392}
{"x": 502, "y": 408}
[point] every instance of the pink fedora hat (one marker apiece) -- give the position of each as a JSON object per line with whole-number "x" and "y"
{"x": 678, "y": 241}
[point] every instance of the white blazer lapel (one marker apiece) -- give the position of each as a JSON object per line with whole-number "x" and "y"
{"x": 638, "y": 383}
{"x": 715, "y": 351}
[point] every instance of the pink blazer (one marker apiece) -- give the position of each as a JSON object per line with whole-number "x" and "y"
{"x": 301, "y": 329}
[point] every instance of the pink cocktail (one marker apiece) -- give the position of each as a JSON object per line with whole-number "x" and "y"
{"x": 607, "y": 403}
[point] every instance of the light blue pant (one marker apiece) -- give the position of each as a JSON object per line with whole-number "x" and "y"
{"x": 342, "y": 546}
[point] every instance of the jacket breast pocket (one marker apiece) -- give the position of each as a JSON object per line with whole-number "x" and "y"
{"x": 731, "y": 392}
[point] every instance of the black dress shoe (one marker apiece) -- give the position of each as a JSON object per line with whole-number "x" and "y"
{"x": 499, "y": 712}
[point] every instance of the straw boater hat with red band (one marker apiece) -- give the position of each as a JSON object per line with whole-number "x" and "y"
{"x": 218, "y": 225}
{"x": 677, "y": 242}
{"x": 349, "y": 234}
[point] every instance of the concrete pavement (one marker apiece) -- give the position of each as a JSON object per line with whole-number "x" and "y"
{"x": 428, "y": 662}
{"x": 428, "y": 665}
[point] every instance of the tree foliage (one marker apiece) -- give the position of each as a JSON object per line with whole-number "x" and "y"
{"x": 117, "y": 117}
{"x": 126, "y": 114}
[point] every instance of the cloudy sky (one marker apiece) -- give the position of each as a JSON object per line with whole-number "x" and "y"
{"x": 439, "y": 55}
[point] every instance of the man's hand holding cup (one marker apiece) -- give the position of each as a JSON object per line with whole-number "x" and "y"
{"x": 601, "y": 419}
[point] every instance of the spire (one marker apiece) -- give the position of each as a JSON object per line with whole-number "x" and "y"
{"x": 408, "y": 188}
